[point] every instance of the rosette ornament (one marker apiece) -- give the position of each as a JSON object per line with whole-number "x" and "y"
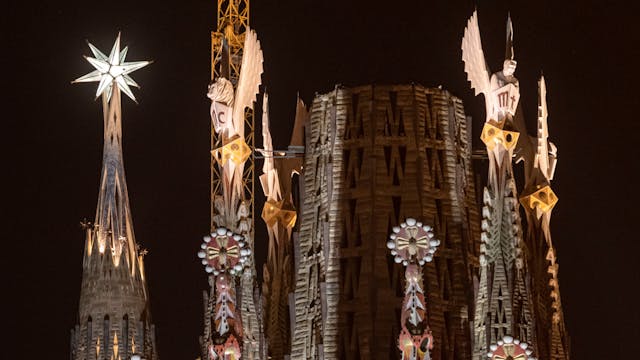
{"x": 412, "y": 242}
{"x": 510, "y": 349}
{"x": 224, "y": 252}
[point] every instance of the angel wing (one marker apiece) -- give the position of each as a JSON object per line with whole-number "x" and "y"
{"x": 473, "y": 56}
{"x": 250, "y": 80}
{"x": 267, "y": 143}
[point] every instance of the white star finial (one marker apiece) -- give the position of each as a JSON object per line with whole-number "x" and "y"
{"x": 110, "y": 69}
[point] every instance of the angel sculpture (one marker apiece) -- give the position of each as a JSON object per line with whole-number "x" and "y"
{"x": 501, "y": 94}
{"x": 501, "y": 90}
{"x": 228, "y": 117}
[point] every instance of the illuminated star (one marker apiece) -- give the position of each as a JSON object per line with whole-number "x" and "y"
{"x": 110, "y": 69}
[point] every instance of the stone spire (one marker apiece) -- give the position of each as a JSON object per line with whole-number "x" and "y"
{"x": 502, "y": 307}
{"x": 280, "y": 216}
{"x": 538, "y": 201}
{"x": 114, "y": 318}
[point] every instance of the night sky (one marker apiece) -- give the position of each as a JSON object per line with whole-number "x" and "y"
{"x": 589, "y": 53}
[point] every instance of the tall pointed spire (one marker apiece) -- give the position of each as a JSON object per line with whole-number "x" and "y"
{"x": 503, "y": 308}
{"x": 538, "y": 201}
{"x": 114, "y": 300}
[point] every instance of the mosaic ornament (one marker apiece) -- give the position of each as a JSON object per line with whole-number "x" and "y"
{"x": 413, "y": 244}
{"x": 510, "y": 349}
{"x": 415, "y": 346}
{"x": 224, "y": 252}
{"x": 412, "y": 241}
{"x": 229, "y": 350}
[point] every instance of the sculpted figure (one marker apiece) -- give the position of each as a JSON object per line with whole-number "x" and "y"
{"x": 228, "y": 104}
{"x": 505, "y": 91}
{"x": 222, "y": 96}
{"x": 501, "y": 90}
{"x": 224, "y": 253}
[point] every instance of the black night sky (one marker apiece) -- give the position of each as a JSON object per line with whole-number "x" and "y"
{"x": 589, "y": 53}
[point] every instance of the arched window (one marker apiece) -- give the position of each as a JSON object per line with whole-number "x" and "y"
{"x": 105, "y": 335}
{"x": 89, "y": 334}
{"x": 295, "y": 194}
{"x": 125, "y": 335}
{"x": 141, "y": 334}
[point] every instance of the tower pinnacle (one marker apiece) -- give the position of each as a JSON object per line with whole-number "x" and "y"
{"x": 114, "y": 302}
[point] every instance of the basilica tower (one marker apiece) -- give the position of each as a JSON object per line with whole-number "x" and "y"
{"x": 504, "y": 322}
{"x": 114, "y": 320}
{"x": 376, "y": 155}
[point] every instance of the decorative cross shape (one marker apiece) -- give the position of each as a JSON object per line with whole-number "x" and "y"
{"x": 412, "y": 242}
{"x": 224, "y": 251}
{"x": 510, "y": 349}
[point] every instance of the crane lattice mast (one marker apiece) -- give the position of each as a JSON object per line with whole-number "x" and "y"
{"x": 232, "y": 25}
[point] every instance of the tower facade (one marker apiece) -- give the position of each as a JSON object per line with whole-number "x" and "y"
{"x": 376, "y": 155}
{"x": 114, "y": 320}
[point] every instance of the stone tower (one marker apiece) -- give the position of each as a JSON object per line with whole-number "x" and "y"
{"x": 114, "y": 320}
{"x": 374, "y": 156}
{"x": 503, "y": 318}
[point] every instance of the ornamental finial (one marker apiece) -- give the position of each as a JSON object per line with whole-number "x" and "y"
{"x": 112, "y": 70}
{"x": 413, "y": 244}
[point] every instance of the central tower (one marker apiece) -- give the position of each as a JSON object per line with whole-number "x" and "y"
{"x": 376, "y": 155}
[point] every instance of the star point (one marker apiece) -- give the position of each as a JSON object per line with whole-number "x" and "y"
{"x": 112, "y": 70}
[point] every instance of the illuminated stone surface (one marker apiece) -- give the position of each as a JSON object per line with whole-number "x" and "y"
{"x": 375, "y": 155}
{"x": 114, "y": 315}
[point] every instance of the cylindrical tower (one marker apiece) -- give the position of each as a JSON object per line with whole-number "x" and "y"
{"x": 374, "y": 156}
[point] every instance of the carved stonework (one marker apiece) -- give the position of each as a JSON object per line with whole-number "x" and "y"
{"x": 509, "y": 348}
{"x": 413, "y": 244}
{"x": 114, "y": 317}
{"x": 375, "y": 155}
{"x": 518, "y": 294}
{"x": 236, "y": 69}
